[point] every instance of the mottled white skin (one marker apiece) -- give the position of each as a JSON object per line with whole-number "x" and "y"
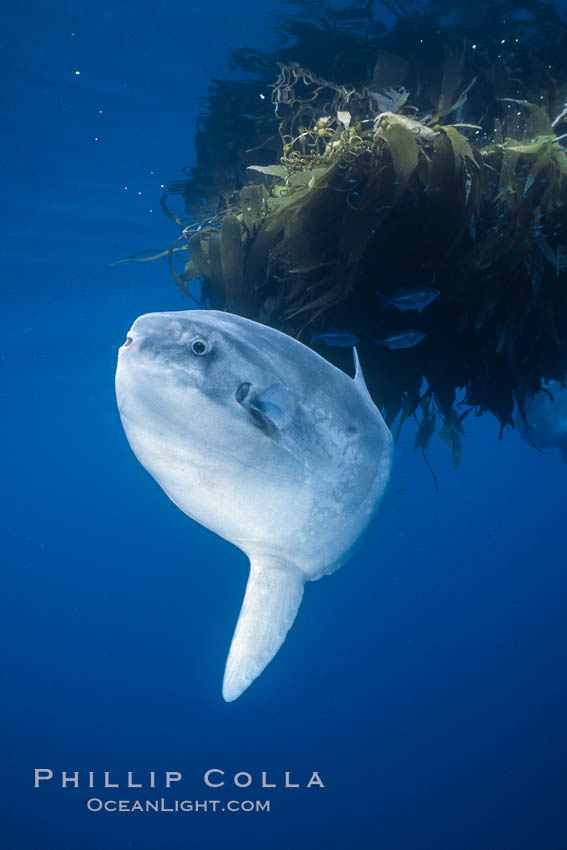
{"x": 294, "y": 489}
{"x": 545, "y": 424}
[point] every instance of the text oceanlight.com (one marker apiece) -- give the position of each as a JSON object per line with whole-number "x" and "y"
{"x": 95, "y": 804}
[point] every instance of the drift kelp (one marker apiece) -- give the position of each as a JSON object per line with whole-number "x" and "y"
{"x": 428, "y": 157}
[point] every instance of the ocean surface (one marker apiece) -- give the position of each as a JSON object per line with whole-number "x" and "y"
{"x": 425, "y": 681}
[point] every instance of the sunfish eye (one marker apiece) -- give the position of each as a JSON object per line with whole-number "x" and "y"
{"x": 200, "y": 347}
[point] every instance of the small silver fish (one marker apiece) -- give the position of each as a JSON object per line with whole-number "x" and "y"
{"x": 336, "y": 337}
{"x": 409, "y": 299}
{"x": 401, "y": 339}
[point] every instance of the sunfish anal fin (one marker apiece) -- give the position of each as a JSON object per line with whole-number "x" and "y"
{"x": 273, "y": 596}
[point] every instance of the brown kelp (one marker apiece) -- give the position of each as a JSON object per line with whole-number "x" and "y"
{"x": 430, "y": 156}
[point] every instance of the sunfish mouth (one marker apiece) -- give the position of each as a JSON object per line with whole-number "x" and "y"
{"x": 128, "y": 341}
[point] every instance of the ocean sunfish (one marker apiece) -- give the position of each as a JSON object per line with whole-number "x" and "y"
{"x": 545, "y": 422}
{"x": 261, "y": 440}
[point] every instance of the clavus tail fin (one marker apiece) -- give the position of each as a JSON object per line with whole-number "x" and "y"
{"x": 273, "y": 596}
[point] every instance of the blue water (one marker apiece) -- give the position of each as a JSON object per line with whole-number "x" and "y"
{"x": 425, "y": 681}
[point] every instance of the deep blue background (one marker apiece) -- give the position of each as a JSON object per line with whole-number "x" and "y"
{"x": 425, "y": 680}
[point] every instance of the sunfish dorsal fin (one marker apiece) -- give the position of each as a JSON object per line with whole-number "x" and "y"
{"x": 273, "y": 596}
{"x": 359, "y": 381}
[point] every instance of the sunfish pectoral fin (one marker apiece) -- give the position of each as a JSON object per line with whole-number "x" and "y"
{"x": 273, "y": 596}
{"x": 270, "y": 408}
{"x": 274, "y": 403}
